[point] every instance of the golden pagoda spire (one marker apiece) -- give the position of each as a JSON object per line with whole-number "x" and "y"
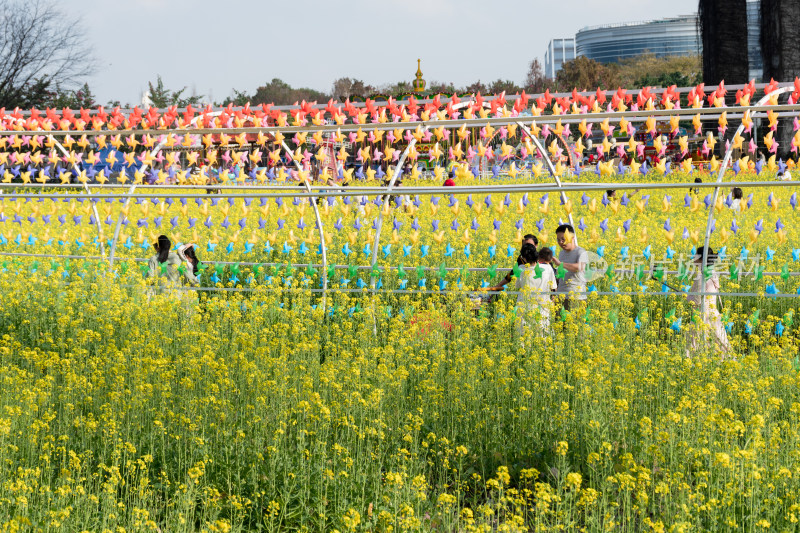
{"x": 419, "y": 83}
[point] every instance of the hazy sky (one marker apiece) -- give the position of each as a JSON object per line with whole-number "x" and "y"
{"x": 214, "y": 46}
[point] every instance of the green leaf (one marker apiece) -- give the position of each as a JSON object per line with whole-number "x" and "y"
{"x": 683, "y": 272}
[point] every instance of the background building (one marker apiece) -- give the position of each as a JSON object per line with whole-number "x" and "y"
{"x": 754, "y": 60}
{"x": 558, "y": 52}
{"x": 667, "y": 37}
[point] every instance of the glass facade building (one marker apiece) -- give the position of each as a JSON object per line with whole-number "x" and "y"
{"x": 559, "y": 51}
{"x": 754, "y": 60}
{"x": 614, "y": 42}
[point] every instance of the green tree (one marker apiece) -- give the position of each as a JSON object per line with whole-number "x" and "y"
{"x": 586, "y": 74}
{"x": 441, "y": 87}
{"x": 238, "y": 98}
{"x": 498, "y": 86}
{"x": 74, "y": 99}
{"x": 163, "y": 97}
{"x": 344, "y": 88}
{"x": 476, "y": 87}
{"x": 649, "y": 70}
{"x": 279, "y": 92}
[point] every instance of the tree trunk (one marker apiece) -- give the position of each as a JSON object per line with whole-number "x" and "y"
{"x": 780, "y": 33}
{"x": 723, "y": 24}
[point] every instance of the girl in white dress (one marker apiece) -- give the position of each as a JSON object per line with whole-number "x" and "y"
{"x": 536, "y": 283}
{"x": 708, "y": 333}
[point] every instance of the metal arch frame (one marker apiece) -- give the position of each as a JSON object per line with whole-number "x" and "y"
{"x": 722, "y": 169}
{"x": 127, "y": 203}
{"x": 389, "y": 188}
{"x": 88, "y": 191}
{"x": 322, "y": 244}
{"x": 552, "y": 170}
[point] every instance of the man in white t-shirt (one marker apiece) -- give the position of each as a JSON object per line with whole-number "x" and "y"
{"x": 574, "y": 260}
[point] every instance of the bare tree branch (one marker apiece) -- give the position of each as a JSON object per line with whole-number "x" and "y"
{"x": 39, "y": 46}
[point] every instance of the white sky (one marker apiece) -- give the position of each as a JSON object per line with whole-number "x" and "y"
{"x": 214, "y": 46}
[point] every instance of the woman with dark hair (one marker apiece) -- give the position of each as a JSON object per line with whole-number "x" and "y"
{"x": 536, "y": 284}
{"x": 188, "y": 257}
{"x": 710, "y": 321}
{"x": 164, "y": 258}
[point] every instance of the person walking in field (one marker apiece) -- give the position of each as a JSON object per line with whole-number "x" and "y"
{"x": 527, "y": 239}
{"x": 164, "y": 258}
{"x": 708, "y": 332}
{"x": 189, "y": 260}
{"x": 574, "y": 260}
{"x": 536, "y": 284}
